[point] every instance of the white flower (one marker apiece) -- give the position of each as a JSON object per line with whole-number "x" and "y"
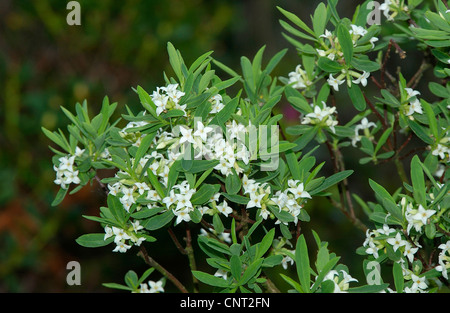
{"x": 114, "y": 189}
{"x": 286, "y": 260}
{"x": 121, "y": 247}
{"x": 343, "y": 284}
{"x": 202, "y": 131}
{"x": 108, "y": 232}
{"x": 142, "y": 187}
{"x": 358, "y": 30}
{"x": 186, "y": 135}
{"x": 440, "y": 151}
{"x": 362, "y": 79}
{"x": 136, "y": 226}
{"x": 299, "y": 192}
{"x": 396, "y": 242}
{"x": 221, "y": 273}
{"x": 71, "y": 177}
{"x": 386, "y": 230}
{"x": 183, "y": 201}
{"x": 224, "y": 208}
{"x": 334, "y": 82}
{"x": 423, "y": 215}
{"x": 182, "y": 215}
{"x": 217, "y": 104}
{"x": 66, "y": 163}
{"x": 418, "y": 282}
{"x": 414, "y": 107}
{"x": 120, "y": 234}
{"x": 411, "y": 92}
{"x": 255, "y": 200}
{"x": 410, "y": 251}
{"x": 299, "y": 79}
{"x": 155, "y": 287}
{"x": 372, "y": 249}
{"x": 79, "y": 152}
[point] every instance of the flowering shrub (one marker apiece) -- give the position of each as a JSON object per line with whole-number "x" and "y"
{"x": 208, "y": 151}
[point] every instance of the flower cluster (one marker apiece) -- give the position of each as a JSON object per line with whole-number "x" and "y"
{"x": 168, "y": 98}
{"x": 364, "y": 126}
{"x": 340, "y": 279}
{"x": 125, "y": 238}
{"x": 391, "y": 8}
{"x": 151, "y": 287}
{"x": 66, "y": 172}
{"x": 322, "y": 116}
{"x": 179, "y": 201}
{"x": 412, "y": 103}
{"x": 407, "y": 243}
{"x": 292, "y": 199}
{"x": 444, "y": 259}
{"x": 416, "y": 218}
{"x": 299, "y": 79}
{"x": 442, "y": 149}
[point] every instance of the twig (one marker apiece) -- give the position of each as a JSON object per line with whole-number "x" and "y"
{"x": 176, "y": 242}
{"x": 151, "y": 262}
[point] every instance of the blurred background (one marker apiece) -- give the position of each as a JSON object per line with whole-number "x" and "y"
{"x": 46, "y": 64}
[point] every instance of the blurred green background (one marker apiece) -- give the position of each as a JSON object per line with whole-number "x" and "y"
{"x": 46, "y": 64}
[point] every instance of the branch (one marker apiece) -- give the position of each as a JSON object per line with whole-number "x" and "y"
{"x": 149, "y": 261}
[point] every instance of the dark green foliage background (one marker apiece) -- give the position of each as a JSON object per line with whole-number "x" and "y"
{"x": 45, "y": 64}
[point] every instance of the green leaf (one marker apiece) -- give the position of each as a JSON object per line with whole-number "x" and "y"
{"x": 297, "y": 21}
{"x": 292, "y": 161}
{"x": 306, "y": 138}
{"x": 383, "y": 139}
{"x": 357, "y": 97}
{"x": 236, "y": 198}
{"x": 346, "y": 42}
{"x": 332, "y": 180}
{"x": 302, "y": 263}
{"x": 117, "y": 286}
{"x": 94, "y": 240}
{"x": 399, "y": 281}
{"x": 380, "y": 191}
{"x": 265, "y": 243}
{"x": 217, "y": 223}
{"x": 251, "y": 271}
{"x": 60, "y": 196}
{"x": 158, "y": 221}
{"x": 176, "y": 62}
{"x": 143, "y": 148}
{"x": 368, "y": 289}
{"x": 201, "y": 165}
{"x": 292, "y": 282}
{"x": 233, "y": 183}
{"x": 155, "y": 183}
{"x": 116, "y": 208}
{"x": 432, "y": 121}
{"x": 320, "y": 19}
{"x": 131, "y": 279}
{"x": 328, "y": 65}
{"x": 236, "y": 267}
{"x": 324, "y": 271}
{"x": 365, "y": 65}
{"x": 420, "y": 132}
{"x": 418, "y": 181}
{"x": 204, "y": 194}
{"x": 210, "y": 279}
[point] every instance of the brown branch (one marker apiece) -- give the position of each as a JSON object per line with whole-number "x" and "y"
{"x": 151, "y": 262}
{"x": 176, "y": 242}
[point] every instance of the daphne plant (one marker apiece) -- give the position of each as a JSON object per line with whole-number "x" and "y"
{"x": 205, "y": 155}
